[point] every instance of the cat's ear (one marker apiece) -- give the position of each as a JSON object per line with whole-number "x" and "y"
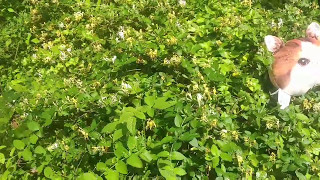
{"x": 273, "y": 43}
{"x": 313, "y": 30}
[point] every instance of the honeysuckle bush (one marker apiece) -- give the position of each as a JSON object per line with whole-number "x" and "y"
{"x": 151, "y": 89}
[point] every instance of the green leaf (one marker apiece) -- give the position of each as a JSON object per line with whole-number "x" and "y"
{"x": 112, "y": 175}
{"x": 2, "y": 158}
{"x": 135, "y": 161}
{"x": 2, "y": 147}
{"x": 117, "y": 135}
{"x": 150, "y": 112}
{"x": 47, "y": 122}
{"x": 35, "y": 40}
{"x": 33, "y": 139}
{"x": 121, "y": 167}
{"x": 179, "y": 171}
{"x": 131, "y": 125}
{"x": 101, "y": 166}
{"x": 188, "y": 136}
{"x": 109, "y": 128}
{"x": 132, "y": 142}
{"x": 40, "y": 150}
{"x": 215, "y": 162}
{"x": 27, "y": 41}
{"x": 253, "y": 159}
{"x": 146, "y": 156}
{"x": 33, "y": 125}
{"x": 178, "y": 120}
{"x": 127, "y": 114}
{"x": 223, "y": 168}
{"x": 87, "y": 176}
{"x": 8, "y": 42}
{"x": 163, "y": 154}
{"x": 27, "y": 155}
{"x": 149, "y": 100}
{"x": 18, "y": 87}
{"x": 12, "y": 151}
{"x": 161, "y": 103}
{"x": 48, "y": 172}
{"x": 302, "y": 117}
{"x": 168, "y": 173}
{"x": 215, "y": 151}
{"x": 225, "y": 68}
{"x": 10, "y": 10}
{"x": 166, "y": 139}
{"x": 88, "y": 3}
{"x": 194, "y": 142}
{"x": 120, "y": 150}
{"x": 98, "y": 4}
{"x": 300, "y": 175}
{"x": 18, "y": 144}
{"x": 177, "y": 156}
{"x": 226, "y": 157}
{"x": 140, "y": 115}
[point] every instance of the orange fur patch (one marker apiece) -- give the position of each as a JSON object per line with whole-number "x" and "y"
{"x": 284, "y": 60}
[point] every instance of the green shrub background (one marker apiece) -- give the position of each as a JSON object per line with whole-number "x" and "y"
{"x": 128, "y": 89}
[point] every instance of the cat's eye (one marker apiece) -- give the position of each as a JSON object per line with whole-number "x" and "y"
{"x": 303, "y": 61}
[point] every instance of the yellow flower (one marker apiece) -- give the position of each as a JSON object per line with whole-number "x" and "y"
{"x": 307, "y": 105}
{"x": 223, "y": 133}
{"x": 153, "y": 53}
{"x": 235, "y": 135}
{"x": 84, "y": 133}
{"x": 272, "y": 157}
{"x": 214, "y": 123}
{"x": 150, "y": 124}
{"x": 78, "y": 15}
{"x": 172, "y": 40}
{"x": 240, "y": 160}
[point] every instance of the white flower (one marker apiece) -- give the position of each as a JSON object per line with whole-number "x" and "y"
{"x": 280, "y": 23}
{"x": 125, "y": 86}
{"x": 224, "y": 131}
{"x": 273, "y": 24}
{"x": 121, "y": 33}
{"x": 69, "y": 50}
{"x": 61, "y": 25}
{"x": 63, "y": 55}
{"x": 199, "y": 98}
{"x": 53, "y": 147}
{"x": 114, "y": 59}
{"x": 178, "y": 24}
{"x": 182, "y": 2}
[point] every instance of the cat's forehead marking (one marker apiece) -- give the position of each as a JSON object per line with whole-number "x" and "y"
{"x": 284, "y": 60}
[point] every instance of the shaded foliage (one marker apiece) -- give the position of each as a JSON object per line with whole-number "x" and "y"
{"x": 143, "y": 89}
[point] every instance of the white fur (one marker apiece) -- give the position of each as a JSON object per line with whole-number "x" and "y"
{"x": 313, "y": 30}
{"x": 283, "y": 99}
{"x": 303, "y": 78}
{"x": 272, "y": 43}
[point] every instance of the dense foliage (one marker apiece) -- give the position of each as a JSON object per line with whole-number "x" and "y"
{"x": 151, "y": 89}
